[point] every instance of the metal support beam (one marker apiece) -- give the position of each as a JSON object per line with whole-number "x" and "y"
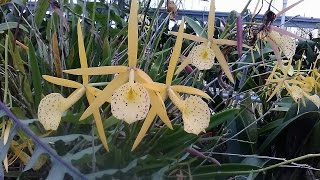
{"x": 301, "y": 22}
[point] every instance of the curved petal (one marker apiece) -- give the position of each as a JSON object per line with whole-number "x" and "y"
{"x": 222, "y": 61}
{"x": 288, "y": 46}
{"x": 106, "y": 94}
{"x": 103, "y": 70}
{"x": 130, "y": 102}
{"x": 62, "y": 82}
{"x": 195, "y": 115}
{"x": 50, "y": 111}
{"x": 190, "y": 90}
{"x": 183, "y": 65}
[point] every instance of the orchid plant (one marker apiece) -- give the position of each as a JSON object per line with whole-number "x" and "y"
{"x": 132, "y": 92}
{"x": 279, "y": 39}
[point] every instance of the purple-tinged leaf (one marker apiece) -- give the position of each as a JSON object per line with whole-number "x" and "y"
{"x": 194, "y": 152}
{"x": 239, "y": 35}
{"x": 285, "y": 32}
{"x": 188, "y": 69}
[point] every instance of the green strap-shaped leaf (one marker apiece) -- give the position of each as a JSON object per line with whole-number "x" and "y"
{"x": 11, "y": 25}
{"x": 36, "y": 75}
{"x": 41, "y": 10}
{"x": 305, "y": 117}
{"x": 196, "y": 27}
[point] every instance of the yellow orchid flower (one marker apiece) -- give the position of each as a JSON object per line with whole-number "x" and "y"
{"x": 298, "y": 94}
{"x": 189, "y": 116}
{"x": 121, "y": 93}
{"x": 72, "y": 84}
{"x": 203, "y": 55}
{"x": 53, "y": 105}
{"x": 195, "y": 112}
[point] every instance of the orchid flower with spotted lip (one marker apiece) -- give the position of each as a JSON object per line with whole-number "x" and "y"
{"x": 298, "y": 86}
{"x": 203, "y": 55}
{"x": 156, "y": 91}
{"x": 90, "y": 91}
{"x": 189, "y": 117}
{"x": 128, "y": 92}
{"x": 53, "y": 105}
{"x": 280, "y": 39}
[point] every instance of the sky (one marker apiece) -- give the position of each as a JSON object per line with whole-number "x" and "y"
{"x": 308, "y": 8}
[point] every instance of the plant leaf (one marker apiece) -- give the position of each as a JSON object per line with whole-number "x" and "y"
{"x": 190, "y": 37}
{"x": 56, "y": 55}
{"x": 40, "y": 12}
{"x": 36, "y": 75}
{"x": 196, "y": 27}
{"x": 305, "y": 116}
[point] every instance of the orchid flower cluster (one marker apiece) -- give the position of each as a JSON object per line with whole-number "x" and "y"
{"x": 280, "y": 40}
{"x": 132, "y": 94}
{"x": 300, "y": 86}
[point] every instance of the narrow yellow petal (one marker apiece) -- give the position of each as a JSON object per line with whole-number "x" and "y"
{"x": 228, "y": 42}
{"x": 145, "y": 126}
{"x": 133, "y": 34}
{"x": 5, "y": 139}
{"x": 280, "y": 85}
{"x": 158, "y": 87}
{"x": 82, "y": 53}
{"x": 157, "y": 101}
{"x": 211, "y": 20}
{"x": 94, "y": 91}
{"x": 190, "y": 37}
{"x": 62, "y": 82}
{"x": 176, "y": 99}
{"x": 106, "y": 94}
{"x": 98, "y": 121}
{"x": 103, "y": 70}
{"x": 222, "y": 61}
{"x": 175, "y": 54}
{"x": 144, "y": 76}
{"x": 184, "y": 64}
{"x": 190, "y": 90}
{"x": 158, "y": 104}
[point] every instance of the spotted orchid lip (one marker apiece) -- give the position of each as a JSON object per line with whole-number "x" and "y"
{"x": 130, "y": 102}
{"x": 202, "y": 57}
